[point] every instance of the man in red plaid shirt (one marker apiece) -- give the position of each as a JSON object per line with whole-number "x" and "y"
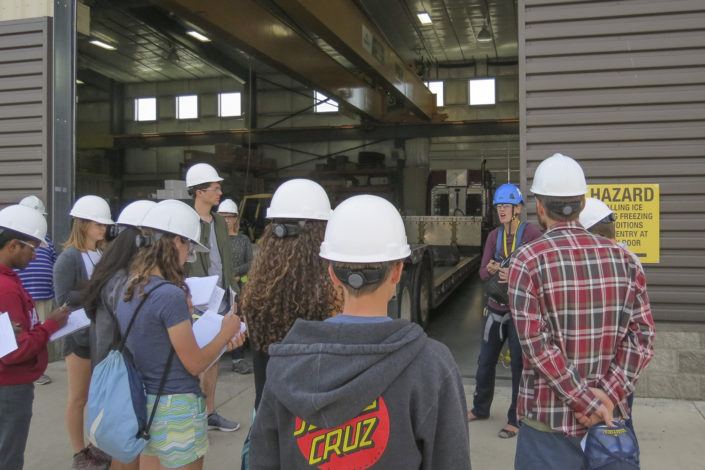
{"x": 582, "y": 315}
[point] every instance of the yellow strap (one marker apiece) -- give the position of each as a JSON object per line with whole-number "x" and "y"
{"x": 514, "y": 242}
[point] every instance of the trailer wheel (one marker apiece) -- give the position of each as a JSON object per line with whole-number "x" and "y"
{"x": 422, "y": 292}
{"x": 404, "y": 303}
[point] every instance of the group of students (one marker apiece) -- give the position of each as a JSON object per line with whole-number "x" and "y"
{"x": 339, "y": 384}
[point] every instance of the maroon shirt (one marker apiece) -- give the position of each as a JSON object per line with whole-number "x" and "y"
{"x": 29, "y": 360}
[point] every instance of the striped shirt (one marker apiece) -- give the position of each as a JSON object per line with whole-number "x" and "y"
{"x": 38, "y": 277}
{"x": 583, "y": 318}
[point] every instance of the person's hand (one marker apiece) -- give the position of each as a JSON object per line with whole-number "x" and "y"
{"x": 60, "y": 315}
{"x": 236, "y": 342}
{"x": 492, "y": 267}
{"x": 17, "y": 329}
{"x": 231, "y": 325}
{"x": 503, "y": 275}
{"x": 603, "y": 413}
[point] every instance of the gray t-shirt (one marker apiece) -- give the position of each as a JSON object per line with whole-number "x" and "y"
{"x": 148, "y": 341}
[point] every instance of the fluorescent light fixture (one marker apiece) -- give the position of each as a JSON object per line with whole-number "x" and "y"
{"x": 197, "y": 35}
{"x": 79, "y": 82}
{"x": 102, "y": 44}
{"x": 424, "y": 17}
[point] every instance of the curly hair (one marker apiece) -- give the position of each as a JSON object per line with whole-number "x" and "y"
{"x": 162, "y": 255}
{"x": 287, "y": 280}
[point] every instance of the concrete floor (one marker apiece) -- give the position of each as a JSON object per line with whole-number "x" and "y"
{"x": 670, "y": 432}
{"x": 457, "y": 323}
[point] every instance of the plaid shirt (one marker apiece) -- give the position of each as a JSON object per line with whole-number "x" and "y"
{"x": 582, "y": 315}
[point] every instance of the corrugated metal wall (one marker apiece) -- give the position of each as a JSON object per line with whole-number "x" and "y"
{"x": 25, "y": 108}
{"x": 621, "y": 87}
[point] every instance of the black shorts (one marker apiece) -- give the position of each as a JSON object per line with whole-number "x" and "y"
{"x": 77, "y": 343}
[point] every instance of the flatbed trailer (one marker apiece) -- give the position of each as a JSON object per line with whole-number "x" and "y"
{"x": 445, "y": 251}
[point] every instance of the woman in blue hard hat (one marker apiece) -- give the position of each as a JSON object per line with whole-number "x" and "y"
{"x": 497, "y": 324}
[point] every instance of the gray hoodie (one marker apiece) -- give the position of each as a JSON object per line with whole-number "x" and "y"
{"x": 370, "y": 395}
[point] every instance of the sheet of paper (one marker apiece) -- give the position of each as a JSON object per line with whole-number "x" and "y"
{"x": 207, "y": 327}
{"x": 77, "y": 321}
{"x": 201, "y": 289}
{"x": 215, "y": 300}
{"x": 8, "y": 342}
{"x": 231, "y": 296}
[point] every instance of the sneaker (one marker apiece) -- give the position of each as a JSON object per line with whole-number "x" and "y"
{"x": 83, "y": 460}
{"x": 98, "y": 455}
{"x": 241, "y": 366}
{"x": 43, "y": 380}
{"x": 215, "y": 421}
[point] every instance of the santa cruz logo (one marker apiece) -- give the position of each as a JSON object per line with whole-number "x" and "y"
{"x": 357, "y": 444}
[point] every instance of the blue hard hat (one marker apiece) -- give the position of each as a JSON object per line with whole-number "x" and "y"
{"x": 507, "y": 194}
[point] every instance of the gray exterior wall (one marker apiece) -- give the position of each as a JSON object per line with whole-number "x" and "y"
{"x": 620, "y": 86}
{"x": 25, "y": 108}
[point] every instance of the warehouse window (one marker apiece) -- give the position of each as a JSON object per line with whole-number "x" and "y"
{"x": 145, "y": 109}
{"x": 482, "y": 91}
{"x": 323, "y": 106}
{"x": 187, "y": 107}
{"x": 229, "y": 104}
{"x": 436, "y": 87}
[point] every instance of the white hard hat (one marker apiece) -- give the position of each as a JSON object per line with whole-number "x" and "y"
{"x": 365, "y": 229}
{"x": 35, "y": 203}
{"x": 24, "y": 220}
{"x": 593, "y": 212}
{"x": 299, "y": 199}
{"x": 559, "y": 175}
{"x": 228, "y": 206}
{"x": 177, "y": 218}
{"x": 201, "y": 173}
{"x": 92, "y": 208}
{"x": 134, "y": 213}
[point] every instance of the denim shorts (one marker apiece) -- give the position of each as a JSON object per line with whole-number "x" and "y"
{"x": 179, "y": 432}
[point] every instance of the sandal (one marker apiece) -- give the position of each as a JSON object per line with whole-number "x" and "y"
{"x": 472, "y": 417}
{"x": 507, "y": 434}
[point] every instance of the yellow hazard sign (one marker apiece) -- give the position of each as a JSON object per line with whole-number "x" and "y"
{"x": 638, "y": 218}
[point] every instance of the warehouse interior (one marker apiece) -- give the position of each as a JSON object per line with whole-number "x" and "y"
{"x": 272, "y": 59}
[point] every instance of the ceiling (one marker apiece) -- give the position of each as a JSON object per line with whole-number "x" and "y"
{"x": 451, "y": 38}
{"x": 151, "y": 44}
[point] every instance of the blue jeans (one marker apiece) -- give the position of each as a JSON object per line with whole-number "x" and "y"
{"x": 487, "y": 365}
{"x": 547, "y": 451}
{"x": 15, "y": 415}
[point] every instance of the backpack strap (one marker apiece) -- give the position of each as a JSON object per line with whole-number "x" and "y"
{"x": 520, "y": 233}
{"x": 145, "y": 432}
{"x": 500, "y": 235}
{"x": 134, "y": 315}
